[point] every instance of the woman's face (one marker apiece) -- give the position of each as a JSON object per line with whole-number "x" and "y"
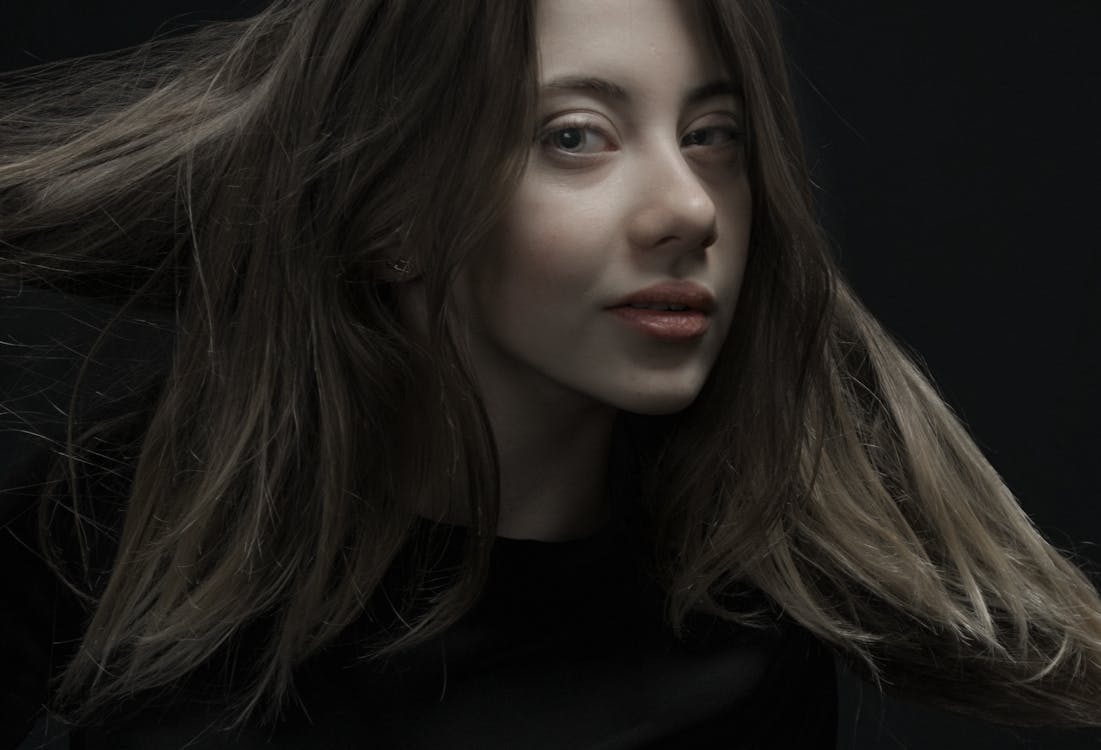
{"x": 615, "y": 272}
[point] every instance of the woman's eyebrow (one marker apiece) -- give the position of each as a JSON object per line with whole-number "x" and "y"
{"x": 712, "y": 89}
{"x": 610, "y": 90}
{"x": 588, "y": 84}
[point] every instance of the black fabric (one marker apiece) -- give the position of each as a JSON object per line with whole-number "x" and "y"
{"x": 567, "y": 649}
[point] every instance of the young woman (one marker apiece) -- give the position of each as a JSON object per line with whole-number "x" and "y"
{"x": 509, "y": 399}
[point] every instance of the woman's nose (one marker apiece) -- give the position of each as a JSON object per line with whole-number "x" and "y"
{"x": 673, "y": 210}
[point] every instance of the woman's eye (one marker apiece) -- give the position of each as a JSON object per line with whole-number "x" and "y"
{"x": 711, "y": 136}
{"x": 575, "y": 139}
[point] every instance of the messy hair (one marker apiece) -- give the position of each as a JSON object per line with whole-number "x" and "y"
{"x": 254, "y": 180}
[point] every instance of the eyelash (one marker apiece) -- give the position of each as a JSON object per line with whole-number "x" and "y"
{"x": 735, "y": 135}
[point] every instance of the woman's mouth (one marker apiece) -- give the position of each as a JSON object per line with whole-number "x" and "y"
{"x": 668, "y": 311}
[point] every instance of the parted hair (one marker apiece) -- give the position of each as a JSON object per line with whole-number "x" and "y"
{"x": 253, "y": 180}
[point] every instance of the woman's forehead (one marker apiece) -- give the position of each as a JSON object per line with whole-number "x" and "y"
{"x": 624, "y": 40}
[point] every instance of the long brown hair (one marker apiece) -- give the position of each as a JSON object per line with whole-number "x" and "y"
{"x": 254, "y": 180}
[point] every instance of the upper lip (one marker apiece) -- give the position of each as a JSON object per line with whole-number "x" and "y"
{"x": 686, "y": 293}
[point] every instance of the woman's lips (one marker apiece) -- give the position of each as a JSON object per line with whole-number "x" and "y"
{"x": 665, "y": 325}
{"x": 647, "y": 310}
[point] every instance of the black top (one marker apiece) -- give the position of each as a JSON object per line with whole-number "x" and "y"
{"x": 567, "y": 648}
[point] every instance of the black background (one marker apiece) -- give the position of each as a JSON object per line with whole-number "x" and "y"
{"x": 956, "y": 149}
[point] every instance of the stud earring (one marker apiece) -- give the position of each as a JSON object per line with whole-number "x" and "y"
{"x": 400, "y": 266}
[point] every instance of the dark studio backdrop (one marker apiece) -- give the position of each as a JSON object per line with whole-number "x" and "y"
{"x": 957, "y": 150}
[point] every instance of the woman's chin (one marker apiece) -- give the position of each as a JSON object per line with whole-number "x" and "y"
{"x": 656, "y": 403}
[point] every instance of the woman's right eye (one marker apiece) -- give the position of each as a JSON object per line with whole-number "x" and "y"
{"x": 575, "y": 139}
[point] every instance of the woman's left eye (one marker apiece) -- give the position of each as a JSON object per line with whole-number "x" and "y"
{"x": 711, "y": 136}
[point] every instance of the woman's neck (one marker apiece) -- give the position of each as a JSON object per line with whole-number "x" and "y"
{"x": 553, "y": 447}
{"x": 554, "y": 470}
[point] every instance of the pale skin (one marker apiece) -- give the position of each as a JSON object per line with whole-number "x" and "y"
{"x": 636, "y": 179}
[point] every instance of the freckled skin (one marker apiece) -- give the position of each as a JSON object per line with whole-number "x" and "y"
{"x": 618, "y": 195}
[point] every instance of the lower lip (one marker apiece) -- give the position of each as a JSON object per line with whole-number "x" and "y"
{"x": 665, "y": 325}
